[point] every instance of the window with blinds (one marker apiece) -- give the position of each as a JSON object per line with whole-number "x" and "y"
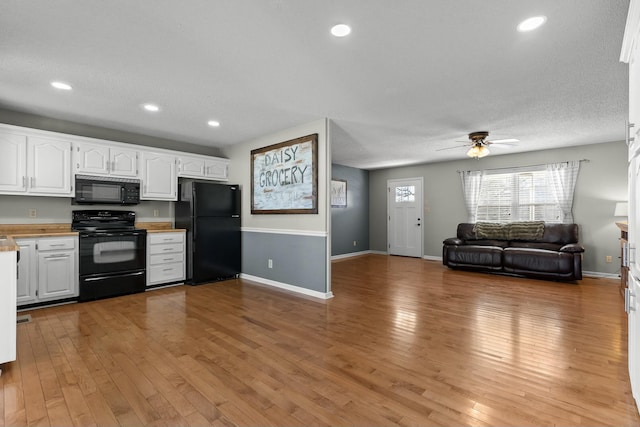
{"x": 517, "y": 196}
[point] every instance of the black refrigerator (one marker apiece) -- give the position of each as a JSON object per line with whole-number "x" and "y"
{"x": 210, "y": 213}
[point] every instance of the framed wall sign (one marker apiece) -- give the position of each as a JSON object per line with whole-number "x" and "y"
{"x": 338, "y": 193}
{"x": 284, "y": 177}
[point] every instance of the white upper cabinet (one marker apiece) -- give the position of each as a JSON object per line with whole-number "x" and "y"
{"x": 159, "y": 179}
{"x": 42, "y": 163}
{"x": 203, "y": 167}
{"x": 48, "y": 166}
{"x": 34, "y": 165}
{"x": 13, "y": 162}
{"x": 94, "y": 159}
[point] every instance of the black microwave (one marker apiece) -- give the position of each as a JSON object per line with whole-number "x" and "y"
{"x": 93, "y": 190}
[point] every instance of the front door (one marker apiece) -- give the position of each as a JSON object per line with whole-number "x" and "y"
{"x": 405, "y": 217}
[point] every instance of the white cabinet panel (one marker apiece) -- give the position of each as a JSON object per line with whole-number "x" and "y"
{"x": 13, "y": 162}
{"x": 105, "y": 159}
{"x": 56, "y": 275}
{"x": 27, "y": 271}
{"x": 92, "y": 159}
{"x": 159, "y": 179}
{"x": 124, "y": 162}
{"x": 34, "y": 165}
{"x": 191, "y": 167}
{"x": 203, "y": 167}
{"x": 632, "y": 307}
{"x": 7, "y": 307}
{"x": 48, "y": 166}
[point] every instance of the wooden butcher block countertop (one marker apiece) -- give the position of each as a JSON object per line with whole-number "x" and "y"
{"x": 9, "y": 232}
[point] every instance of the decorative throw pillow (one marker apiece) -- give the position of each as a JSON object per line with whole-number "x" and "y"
{"x": 491, "y": 230}
{"x": 527, "y": 230}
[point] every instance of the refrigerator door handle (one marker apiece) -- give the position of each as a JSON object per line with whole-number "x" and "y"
{"x": 193, "y": 237}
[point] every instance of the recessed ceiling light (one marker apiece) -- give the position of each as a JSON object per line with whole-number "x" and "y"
{"x": 151, "y": 107}
{"x": 213, "y": 123}
{"x": 340, "y": 30}
{"x": 61, "y": 85}
{"x": 531, "y": 23}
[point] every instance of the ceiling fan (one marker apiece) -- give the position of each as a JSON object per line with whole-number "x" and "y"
{"x": 480, "y": 144}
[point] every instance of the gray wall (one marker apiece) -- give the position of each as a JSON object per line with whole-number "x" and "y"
{"x": 44, "y": 123}
{"x": 351, "y": 224}
{"x": 295, "y": 259}
{"x": 602, "y": 181}
{"x": 296, "y": 243}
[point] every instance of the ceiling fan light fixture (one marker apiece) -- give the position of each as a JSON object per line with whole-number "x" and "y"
{"x": 478, "y": 151}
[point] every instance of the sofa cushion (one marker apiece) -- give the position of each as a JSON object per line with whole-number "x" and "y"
{"x": 535, "y": 245}
{"x": 560, "y": 233}
{"x": 488, "y": 242}
{"x": 487, "y": 257}
{"x": 519, "y": 260}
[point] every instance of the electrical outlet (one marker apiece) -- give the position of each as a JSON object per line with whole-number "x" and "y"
{"x": 270, "y": 263}
{"x": 355, "y": 243}
{"x": 608, "y": 258}
{"x": 33, "y": 213}
{"x": 156, "y": 212}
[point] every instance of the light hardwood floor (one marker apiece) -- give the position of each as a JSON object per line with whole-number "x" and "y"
{"x": 404, "y": 342}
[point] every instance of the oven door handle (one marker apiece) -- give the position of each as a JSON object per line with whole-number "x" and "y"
{"x": 94, "y": 279}
{"x": 112, "y": 234}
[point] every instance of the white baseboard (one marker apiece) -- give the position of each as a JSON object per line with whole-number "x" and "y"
{"x": 349, "y": 255}
{"x": 432, "y": 258}
{"x": 286, "y": 286}
{"x": 379, "y": 252}
{"x": 599, "y": 275}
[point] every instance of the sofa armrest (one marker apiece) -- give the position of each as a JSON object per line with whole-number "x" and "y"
{"x": 572, "y": 248}
{"x": 452, "y": 241}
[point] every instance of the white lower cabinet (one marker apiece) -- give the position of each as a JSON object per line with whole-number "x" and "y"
{"x": 165, "y": 257}
{"x": 47, "y": 270}
{"x": 632, "y": 293}
{"x": 7, "y": 307}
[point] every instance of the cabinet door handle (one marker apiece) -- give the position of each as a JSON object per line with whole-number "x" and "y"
{"x": 24, "y": 182}
{"x": 57, "y": 256}
{"x": 32, "y": 181}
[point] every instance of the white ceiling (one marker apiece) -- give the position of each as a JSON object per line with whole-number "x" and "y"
{"x": 413, "y": 77}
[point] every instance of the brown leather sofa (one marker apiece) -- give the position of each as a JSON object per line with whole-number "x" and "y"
{"x": 554, "y": 253}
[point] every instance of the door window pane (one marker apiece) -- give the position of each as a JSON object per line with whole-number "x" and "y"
{"x": 406, "y": 194}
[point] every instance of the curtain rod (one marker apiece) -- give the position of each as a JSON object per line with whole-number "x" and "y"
{"x": 527, "y": 166}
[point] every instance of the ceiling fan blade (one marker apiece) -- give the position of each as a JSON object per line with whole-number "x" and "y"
{"x": 452, "y": 148}
{"x": 503, "y": 141}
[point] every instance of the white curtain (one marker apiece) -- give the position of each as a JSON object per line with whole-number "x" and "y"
{"x": 562, "y": 178}
{"x": 471, "y": 185}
